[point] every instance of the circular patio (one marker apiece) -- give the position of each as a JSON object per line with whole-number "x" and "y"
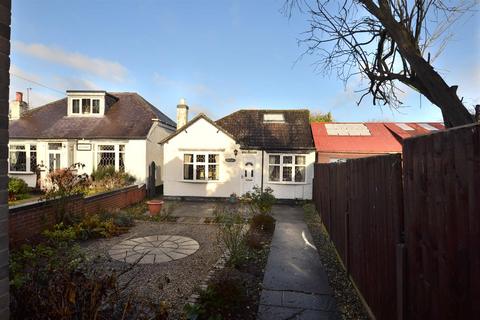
{"x": 154, "y": 249}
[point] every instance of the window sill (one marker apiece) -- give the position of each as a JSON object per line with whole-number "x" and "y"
{"x": 21, "y": 172}
{"x": 200, "y": 181}
{"x": 286, "y": 183}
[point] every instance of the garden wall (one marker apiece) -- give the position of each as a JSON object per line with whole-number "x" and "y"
{"x": 29, "y": 220}
{"x": 408, "y": 230}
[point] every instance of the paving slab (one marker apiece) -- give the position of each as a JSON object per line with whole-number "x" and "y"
{"x": 295, "y": 283}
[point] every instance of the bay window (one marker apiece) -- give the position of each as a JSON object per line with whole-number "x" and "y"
{"x": 109, "y": 155}
{"x": 201, "y": 166}
{"x": 22, "y": 158}
{"x": 286, "y": 168}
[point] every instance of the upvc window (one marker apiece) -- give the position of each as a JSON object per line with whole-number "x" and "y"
{"x": 89, "y": 106}
{"x": 22, "y": 158}
{"x": 288, "y": 168}
{"x": 109, "y": 155}
{"x": 201, "y": 166}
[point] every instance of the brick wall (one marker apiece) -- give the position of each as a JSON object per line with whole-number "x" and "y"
{"x": 5, "y": 12}
{"x": 28, "y": 220}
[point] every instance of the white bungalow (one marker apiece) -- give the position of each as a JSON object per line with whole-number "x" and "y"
{"x": 264, "y": 148}
{"x": 95, "y": 128}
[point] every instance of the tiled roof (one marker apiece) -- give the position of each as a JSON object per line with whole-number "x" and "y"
{"x": 129, "y": 117}
{"x": 252, "y": 132}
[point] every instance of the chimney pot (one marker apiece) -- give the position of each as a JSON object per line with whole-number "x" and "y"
{"x": 19, "y": 96}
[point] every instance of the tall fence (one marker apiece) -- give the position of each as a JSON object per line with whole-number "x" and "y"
{"x": 408, "y": 232}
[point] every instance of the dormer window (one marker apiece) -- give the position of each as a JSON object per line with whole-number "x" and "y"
{"x": 86, "y": 103}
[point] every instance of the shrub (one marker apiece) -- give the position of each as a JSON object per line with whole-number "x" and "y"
{"x": 263, "y": 222}
{"x": 16, "y": 188}
{"x": 123, "y": 219}
{"x": 222, "y": 298}
{"x": 259, "y": 202}
{"x": 63, "y": 184}
{"x": 232, "y": 236}
{"x": 52, "y": 281}
{"x": 106, "y": 178}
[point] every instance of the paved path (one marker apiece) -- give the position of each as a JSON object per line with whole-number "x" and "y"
{"x": 295, "y": 283}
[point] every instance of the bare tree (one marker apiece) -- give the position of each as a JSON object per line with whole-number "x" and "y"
{"x": 386, "y": 42}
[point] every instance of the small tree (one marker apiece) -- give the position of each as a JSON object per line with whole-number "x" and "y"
{"x": 321, "y": 117}
{"x": 61, "y": 185}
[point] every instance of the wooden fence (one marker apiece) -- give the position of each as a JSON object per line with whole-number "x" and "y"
{"x": 410, "y": 237}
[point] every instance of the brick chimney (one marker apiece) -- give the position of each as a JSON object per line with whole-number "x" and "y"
{"x": 182, "y": 113}
{"x": 17, "y": 107}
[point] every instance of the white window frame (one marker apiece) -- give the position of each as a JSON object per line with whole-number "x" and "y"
{"x": 80, "y": 106}
{"x": 116, "y": 150}
{"x": 196, "y": 163}
{"x": 282, "y": 165}
{"x": 27, "y": 151}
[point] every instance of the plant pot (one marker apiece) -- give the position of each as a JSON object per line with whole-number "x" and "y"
{"x": 154, "y": 207}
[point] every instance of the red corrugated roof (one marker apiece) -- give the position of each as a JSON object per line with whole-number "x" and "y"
{"x": 384, "y": 138}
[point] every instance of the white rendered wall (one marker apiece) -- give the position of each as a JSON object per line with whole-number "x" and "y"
{"x": 201, "y": 136}
{"x": 284, "y": 190}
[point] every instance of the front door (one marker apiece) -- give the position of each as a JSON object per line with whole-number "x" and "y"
{"x": 54, "y": 156}
{"x": 248, "y": 178}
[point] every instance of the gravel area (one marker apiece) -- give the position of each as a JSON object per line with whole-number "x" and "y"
{"x": 171, "y": 282}
{"x": 348, "y": 301}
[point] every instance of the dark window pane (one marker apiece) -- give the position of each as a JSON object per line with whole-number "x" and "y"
{"x": 85, "y": 105}
{"x": 287, "y": 159}
{"x": 200, "y": 174}
{"x": 274, "y": 173}
{"x": 213, "y": 158}
{"x": 287, "y": 173}
{"x": 188, "y": 158}
{"x": 200, "y": 158}
{"x": 212, "y": 172}
{"x": 188, "y": 171}
{"x": 95, "y": 106}
{"x": 76, "y": 106}
{"x": 299, "y": 174}
{"x": 18, "y": 161}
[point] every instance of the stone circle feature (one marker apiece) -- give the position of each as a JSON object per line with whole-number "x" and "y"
{"x": 154, "y": 249}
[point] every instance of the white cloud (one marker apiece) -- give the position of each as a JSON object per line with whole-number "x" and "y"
{"x": 106, "y": 69}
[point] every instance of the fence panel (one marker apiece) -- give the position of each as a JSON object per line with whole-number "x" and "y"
{"x": 361, "y": 205}
{"x": 442, "y": 224}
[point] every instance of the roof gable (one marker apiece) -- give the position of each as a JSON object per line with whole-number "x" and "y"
{"x": 192, "y": 122}
{"x": 129, "y": 117}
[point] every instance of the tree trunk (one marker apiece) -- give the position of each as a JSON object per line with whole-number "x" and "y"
{"x": 445, "y": 97}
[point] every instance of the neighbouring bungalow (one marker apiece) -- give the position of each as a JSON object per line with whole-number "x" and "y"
{"x": 95, "y": 128}
{"x": 263, "y": 148}
{"x": 336, "y": 141}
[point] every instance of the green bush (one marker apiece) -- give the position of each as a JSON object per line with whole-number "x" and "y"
{"x": 17, "y": 186}
{"x": 260, "y": 202}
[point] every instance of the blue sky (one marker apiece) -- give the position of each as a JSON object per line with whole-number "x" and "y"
{"x": 219, "y": 55}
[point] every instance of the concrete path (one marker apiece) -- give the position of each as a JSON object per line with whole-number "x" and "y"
{"x": 295, "y": 285}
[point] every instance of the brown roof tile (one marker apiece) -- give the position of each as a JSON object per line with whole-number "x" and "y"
{"x": 250, "y": 130}
{"x": 129, "y": 117}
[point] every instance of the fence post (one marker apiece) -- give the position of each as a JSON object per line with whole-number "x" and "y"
{"x": 401, "y": 268}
